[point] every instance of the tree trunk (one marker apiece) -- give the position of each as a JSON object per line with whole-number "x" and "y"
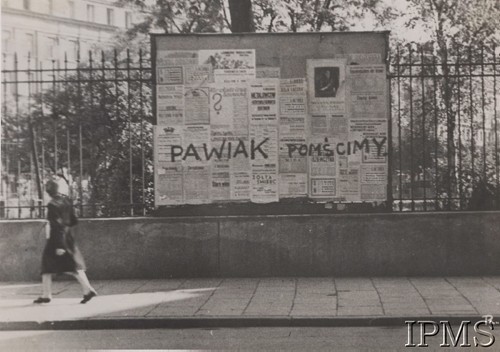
{"x": 34, "y": 153}
{"x": 241, "y": 16}
{"x": 447, "y": 96}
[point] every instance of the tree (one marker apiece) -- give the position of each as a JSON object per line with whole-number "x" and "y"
{"x": 178, "y": 16}
{"x": 95, "y": 128}
{"x": 241, "y": 16}
{"x": 195, "y": 16}
{"x": 458, "y": 31}
{"x": 319, "y": 15}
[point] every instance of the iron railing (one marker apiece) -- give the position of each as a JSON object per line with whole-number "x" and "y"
{"x": 445, "y": 128}
{"x": 87, "y": 121}
{"x": 90, "y": 121}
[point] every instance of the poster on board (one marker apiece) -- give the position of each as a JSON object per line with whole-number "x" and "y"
{"x": 326, "y": 85}
{"x": 230, "y": 66}
{"x": 238, "y": 131}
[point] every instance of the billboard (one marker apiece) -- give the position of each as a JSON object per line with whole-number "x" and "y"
{"x": 251, "y": 118}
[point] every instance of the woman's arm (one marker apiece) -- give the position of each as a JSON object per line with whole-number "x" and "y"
{"x": 56, "y": 229}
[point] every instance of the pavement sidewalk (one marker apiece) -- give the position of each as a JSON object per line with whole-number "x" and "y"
{"x": 249, "y": 302}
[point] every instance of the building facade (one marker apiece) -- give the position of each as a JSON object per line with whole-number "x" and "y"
{"x": 45, "y": 34}
{"x": 48, "y": 29}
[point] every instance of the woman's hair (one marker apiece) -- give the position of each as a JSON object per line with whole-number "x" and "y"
{"x": 51, "y": 187}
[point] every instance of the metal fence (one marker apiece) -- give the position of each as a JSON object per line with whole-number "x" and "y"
{"x": 89, "y": 121}
{"x": 445, "y": 152}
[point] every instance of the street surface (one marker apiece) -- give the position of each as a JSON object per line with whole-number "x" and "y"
{"x": 257, "y": 297}
{"x": 331, "y": 339}
{"x": 303, "y": 339}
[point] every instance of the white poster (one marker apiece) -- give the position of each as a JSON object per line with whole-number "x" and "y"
{"x": 240, "y": 178}
{"x": 177, "y": 58}
{"x": 263, "y": 101}
{"x": 268, "y": 72}
{"x": 170, "y": 105}
{"x": 230, "y": 66}
{"x": 369, "y": 139}
{"x": 264, "y": 143}
{"x": 197, "y": 183}
{"x": 322, "y": 187}
{"x": 348, "y": 183}
{"x": 322, "y": 169}
{"x": 293, "y": 107}
{"x": 168, "y": 143}
{"x": 292, "y": 154}
{"x": 364, "y": 58}
{"x": 264, "y": 163}
{"x": 196, "y": 144}
{"x": 229, "y": 111}
{"x": 368, "y": 85}
{"x": 293, "y": 185}
{"x": 326, "y": 85}
{"x": 198, "y": 75}
{"x": 169, "y": 184}
{"x": 170, "y": 75}
{"x": 220, "y": 188}
{"x": 264, "y": 183}
{"x": 196, "y": 108}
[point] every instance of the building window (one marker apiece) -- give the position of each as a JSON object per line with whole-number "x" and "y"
{"x": 71, "y": 6}
{"x": 110, "y": 17}
{"x": 90, "y": 13}
{"x": 51, "y": 48}
{"x": 5, "y": 41}
{"x": 26, "y": 4}
{"x": 128, "y": 19}
{"x": 73, "y": 50}
{"x": 29, "y": 45}
{"x": 5, "y": 3}
{"x": 51, "y": 7}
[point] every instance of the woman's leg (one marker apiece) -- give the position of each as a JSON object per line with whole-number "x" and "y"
{"x": 81, "y": 277}
{"x": 47, "y": 286}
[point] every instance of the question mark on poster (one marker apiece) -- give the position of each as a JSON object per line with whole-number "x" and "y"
{"x": 217, "y": 105}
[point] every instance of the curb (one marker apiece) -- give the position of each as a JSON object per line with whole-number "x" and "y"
{"x": 224, "y": 322}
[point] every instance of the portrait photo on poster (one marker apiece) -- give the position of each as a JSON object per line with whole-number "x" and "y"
{"x": 326, "y": 81}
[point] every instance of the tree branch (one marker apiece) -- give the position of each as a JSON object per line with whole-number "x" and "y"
{"x": 224, "y": 15}
{"x": 271, "y": 23}
{"x": 321, "y": 16}
{"x": 293, "y": 25}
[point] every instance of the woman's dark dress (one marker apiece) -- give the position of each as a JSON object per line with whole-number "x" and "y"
{"x": 61, "y": 218}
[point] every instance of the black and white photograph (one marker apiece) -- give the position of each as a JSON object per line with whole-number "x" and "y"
{"x": 315, "y": 175}
{"x": 326, "y": 82}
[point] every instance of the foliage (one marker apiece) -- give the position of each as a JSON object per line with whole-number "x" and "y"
{"x": 318, "y": 15}
{"x": 195, "y": 16}
{"x": 457, "y": 21}
{"x": 178, "y": 16}
{"x": 110, "y": 118}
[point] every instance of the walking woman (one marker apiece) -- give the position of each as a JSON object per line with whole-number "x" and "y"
{"x": 61, "y": 255}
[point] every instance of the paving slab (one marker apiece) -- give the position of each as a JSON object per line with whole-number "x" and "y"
{"x": 260, "y": 301}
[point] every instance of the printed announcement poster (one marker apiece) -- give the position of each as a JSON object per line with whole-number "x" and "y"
{"x": 292, "y": 135}
{"x": 368, "y": 91}
{"x": 263, "y": 101}
{"x": 168, "y": 172}
{"x": 170, "y": 105}
{"x": 229, "y": 131}
{"x": 326, "y": 85}
{"x": 370, "y": 137}
{"x": 264, "y": 165}
{"x": 230, "y": 66}
{"x": 322, "y": 169}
